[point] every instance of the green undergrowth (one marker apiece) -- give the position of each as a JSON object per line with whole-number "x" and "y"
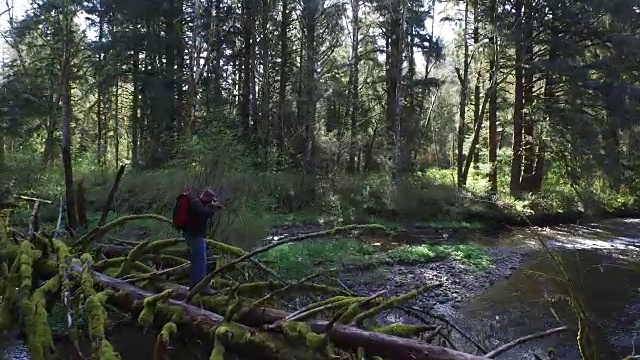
{"x": 467, "y": 254}
{"x": 257, "y": 200}
{"x": 302, "y": 259}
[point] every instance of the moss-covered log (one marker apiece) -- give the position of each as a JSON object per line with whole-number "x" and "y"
{"x": 245, "y": 339}
{"x": 131, "y": 298}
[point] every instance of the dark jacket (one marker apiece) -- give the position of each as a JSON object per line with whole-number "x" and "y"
{"x": 199, "y": 216}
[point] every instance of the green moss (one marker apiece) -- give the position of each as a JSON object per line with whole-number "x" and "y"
{"x": 106, "y": 352}
{"x": 168, "y": 330}
{"x": 222, "y": 336}
{"x": 150, "y": 304}
{"x": 133, "y": 256}
{"x": 86, "y": 258}
{"x": 108, "y": 263}
{"x": 295, "y": 329}
{"x": 172, "y": 312}
{"x": 391, "y": 303}
{"x": 159, "y": 245}
{"x": 225, "y": 249}
{"x": 302, "y": 331}
{"x": 97, "y": 317}
{"x": 402, "y": 330}
{"x": 315, "y": 341}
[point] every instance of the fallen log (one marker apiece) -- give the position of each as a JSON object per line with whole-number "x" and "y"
{"x": 118, "y": 250}
{"x": 349, "y": 338}
{"x": 244, "y": 339}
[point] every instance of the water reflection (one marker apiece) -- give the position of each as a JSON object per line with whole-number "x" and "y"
{"x": 522, "y": 305}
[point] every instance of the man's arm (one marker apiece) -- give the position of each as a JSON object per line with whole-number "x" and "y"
{"x": 198, "y": 208}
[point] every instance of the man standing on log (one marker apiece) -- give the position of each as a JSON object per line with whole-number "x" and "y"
{"x": 198, "y": 213}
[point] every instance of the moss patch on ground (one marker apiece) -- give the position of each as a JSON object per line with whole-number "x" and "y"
{"x": 302, "y": 259}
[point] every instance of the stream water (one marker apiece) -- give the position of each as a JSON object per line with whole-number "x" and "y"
{"x": 599, "y": 260}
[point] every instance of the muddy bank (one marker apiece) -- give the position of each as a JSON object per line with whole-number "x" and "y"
{"x": 460, "y": 282}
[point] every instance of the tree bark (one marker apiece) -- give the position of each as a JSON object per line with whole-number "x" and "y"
{"x": 476, "y": 87}
{"x": 284, "y": 75}
{"x": 246, "y": 104}
{"x": 529, "y": 148}
{"x": 135, "y": 119}
{"x": 516, "y": 157}
{"x": 354, "y": 85}
{"x": 463, "y": 78}
{"x": 65, "y": 97}
{"x": 395, "y": 55}
{"x": 493, "y": 103}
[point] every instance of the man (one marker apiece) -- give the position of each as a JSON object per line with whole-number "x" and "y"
{"x": 200, "y": 210}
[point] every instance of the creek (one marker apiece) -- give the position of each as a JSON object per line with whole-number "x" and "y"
{"x": 599, "y": 259}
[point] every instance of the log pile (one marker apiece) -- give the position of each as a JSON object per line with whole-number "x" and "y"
{"x": 134, "y": 278}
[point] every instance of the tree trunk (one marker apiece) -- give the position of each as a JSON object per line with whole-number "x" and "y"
{"x": 493, "y": 103}
{"x": 135, "y": 120}
{"x": 218, "y": 54}
{"x": 354, "y": 85}
{"x": 462, "y": 105}
{"x": 2, "y": 151}
{"x": 100, "y": 77}
{"x": 529, "y": 156}
{"x": 116, "y": 123}
{"x": 283, "y": 39}
{"x": 516, "y": 159}
{"x": 310, "y": 12}
{"x": 476, "y": 88}
{"x": 395, "y": 55}
{"x": 265, "y": 125}
{"x": 246, "y": 110}
{"x": 65, "y": 97}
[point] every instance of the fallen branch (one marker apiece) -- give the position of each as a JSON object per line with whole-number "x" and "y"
{"x": 136, "y": 278}
{"x": 415, "y": 312}
{"x": 117, "y": 250}
{"x": 85, "y": 240}
{"x": 262, "y": 300}
{"x": 33, "y": 221}
{"x": 32, "y": 199}
{"x": 492, "y": 354}
{"x": 112, "y": 193}
{"x": 204, "y": 282}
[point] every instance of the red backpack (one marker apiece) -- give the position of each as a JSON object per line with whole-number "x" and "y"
{"x": 181, "y": 210}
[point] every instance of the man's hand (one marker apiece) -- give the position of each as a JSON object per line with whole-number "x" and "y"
{"x": 216, "y": 205}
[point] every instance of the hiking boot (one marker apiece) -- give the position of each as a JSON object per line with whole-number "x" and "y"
{"x": 207, "y": 291}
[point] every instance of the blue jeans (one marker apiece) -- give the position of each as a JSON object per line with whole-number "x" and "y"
{"x": 198, "y": 258}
